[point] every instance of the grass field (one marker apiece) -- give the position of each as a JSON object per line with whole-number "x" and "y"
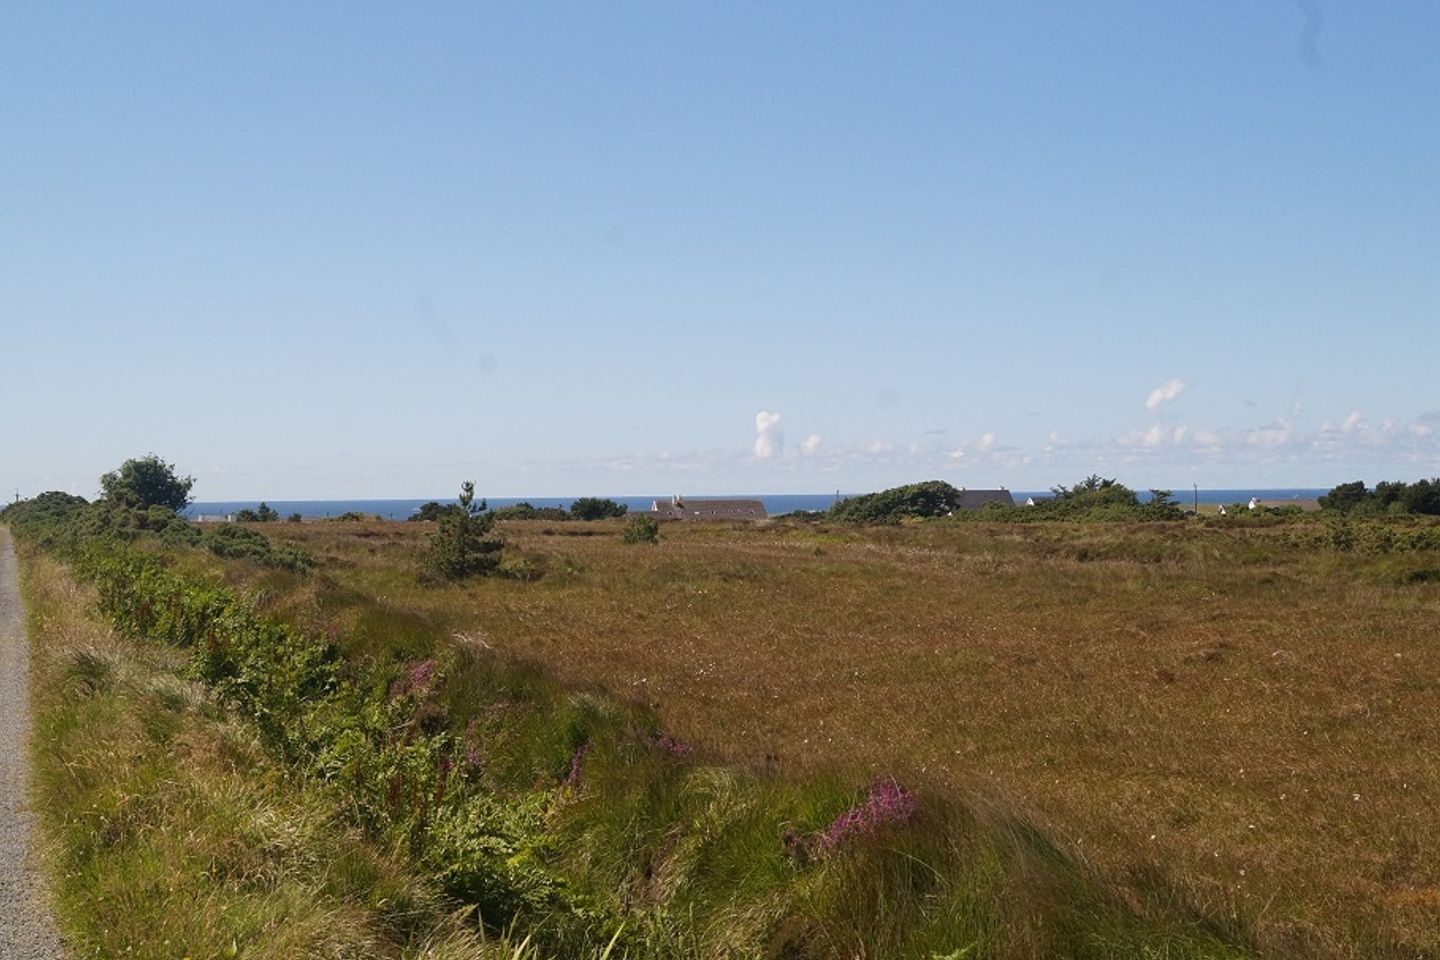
{"x": 1230, "y": 717}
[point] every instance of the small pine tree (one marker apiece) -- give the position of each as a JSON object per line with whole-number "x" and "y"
{"x": 459, "y": 547}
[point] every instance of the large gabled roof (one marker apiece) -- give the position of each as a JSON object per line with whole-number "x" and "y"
{"x": 710, "y": 508}
{"x": 975, "y": 499}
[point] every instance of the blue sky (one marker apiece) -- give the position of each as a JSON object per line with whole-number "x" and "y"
{"x": 329, "y": 250}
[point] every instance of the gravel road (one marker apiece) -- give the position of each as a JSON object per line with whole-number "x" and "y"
{"x": 26, "y": 930}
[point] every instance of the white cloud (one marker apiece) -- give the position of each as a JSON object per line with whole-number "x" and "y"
{"x": 1208, "y": 439}
{"x": 1275, "y": 434}
{"x": 810, "y": 445}
{"x": 769, "y": 441}
{"x": 1349, "y": 424}
{"x": 1157, "y": 435}
{"x": 986, "y": 443}
{"x": 1168, "y": 390}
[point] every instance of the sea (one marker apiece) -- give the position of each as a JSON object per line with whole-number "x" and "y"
{"x": 775, "y": 503}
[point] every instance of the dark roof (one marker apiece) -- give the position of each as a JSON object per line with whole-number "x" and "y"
{"x": 975, "y": 499}
{"x": 679, "y": 508}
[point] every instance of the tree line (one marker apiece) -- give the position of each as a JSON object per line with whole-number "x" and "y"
{"x": 1390, "y": 497}
{"x": 585, "y": 508}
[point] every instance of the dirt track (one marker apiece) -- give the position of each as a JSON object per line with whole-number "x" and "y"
{"x": 26, "y": 929}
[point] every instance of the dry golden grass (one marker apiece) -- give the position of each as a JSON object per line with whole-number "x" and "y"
{"x": 1203, "y": 710}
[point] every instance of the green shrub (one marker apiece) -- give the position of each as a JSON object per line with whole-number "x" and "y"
{"x": 1391, "y": 497}
{"x": 596, "y": 508}
{"x": 262, "y": 514}
{"x": 236, "y": 542}
{"x": 526, "y": 511}
{"x": 933, "y": 498}
{"x": 433, "y": 511}
{"x": 641, "y": 529}
{"x": 147, "y": 481}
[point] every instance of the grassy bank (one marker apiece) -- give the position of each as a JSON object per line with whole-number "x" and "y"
{"x": 170, "y": 831}
{"x": 489, "y": 788}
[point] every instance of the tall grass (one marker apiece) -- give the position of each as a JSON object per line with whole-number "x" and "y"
{"x": 302, "y": 795}
{"x": 1188, "y": 710}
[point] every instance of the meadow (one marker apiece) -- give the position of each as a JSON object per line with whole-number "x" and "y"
{"x": 1236, "y": 719}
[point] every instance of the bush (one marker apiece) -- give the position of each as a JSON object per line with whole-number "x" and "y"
{"x": 264, "y": 514}
{"x": 641, "y": 529}
{"x": 596, "y": 508}
{"x": 147, "y": 482}
{"x": 1094, "y": 499}
{"x": 933, "y": 498}
{"x": 433, "y": 511}
{"x": 230, "y": 540}
{"x": 1395, "y": 498}
{"x": 44, "y": 515}
{"x": 525, "y": 511}
{"x": 459, "y": 548}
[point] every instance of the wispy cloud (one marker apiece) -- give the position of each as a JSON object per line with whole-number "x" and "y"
{"x": 1164, "y": 393}
{"x": 1274, "y": 434}
{"x": 811, "y": 445}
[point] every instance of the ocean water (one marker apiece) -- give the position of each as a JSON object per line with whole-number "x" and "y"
{"x": 775, "y": 503}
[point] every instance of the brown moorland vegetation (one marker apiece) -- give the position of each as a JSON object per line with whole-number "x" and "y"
{"x": 1238, "y": 715}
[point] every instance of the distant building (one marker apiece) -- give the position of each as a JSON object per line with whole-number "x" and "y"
{"x": 679, "y": 508}
{"x": 975, "y": 499}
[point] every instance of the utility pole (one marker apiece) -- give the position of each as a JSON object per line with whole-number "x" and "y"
{"x": 1197, "y": 499}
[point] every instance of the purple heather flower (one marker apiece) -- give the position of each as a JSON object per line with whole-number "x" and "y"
{"x": 416, "y": 679}
{"x": 887, "y": 802}
{"x": 672, "y": 746}
{"x": 473, "y": 755}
